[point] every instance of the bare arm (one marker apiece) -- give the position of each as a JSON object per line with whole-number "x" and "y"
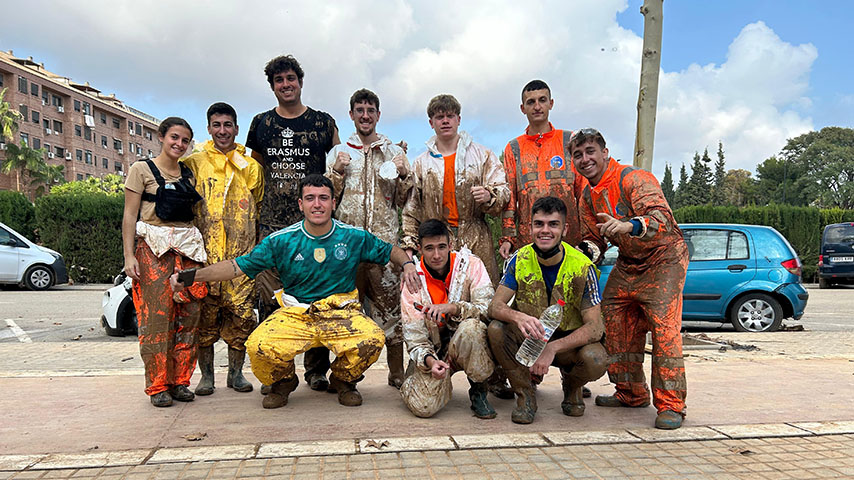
{"x": 131, "y": 211}
{"x": 409, "y": 277}
{"x": 218, "y": 272}
{"x": 499, "y": 310}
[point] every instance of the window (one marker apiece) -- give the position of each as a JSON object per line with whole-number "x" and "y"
{"x": 139, "y": 129}
{"x": 117, "y": 144}
{"x": 737, "y": 248}
{"x": 150, "y": 155}
{"x": 116, "y": 123}
{"x": 716, "y": 245}
{"x": 79, "y": 154}
{"x": 103, "y": 118}
{"x": 105, "y": 162}
{"x": 1, "y": 79}
{"x": 46, "y": 124}
{"x": 79, "y": 177}
{"x": 45, "y": 97}
{"x": 57, "y": 126}
{"x": 87, "y": 109}
{"x": 148, "y": 134}
{"x": 60, "y": 152}
{"x": 56, "y": 100}
{"x": 25, "y": 112}
{"x": 37, "y": 143}
{"x": 104, "y": 141}
{"x": 78, "y": 131}
{"x": 131, "y": 148}
{"x": 88, "y": 157}
{"x": 139, "y": 149}
{"x": 35, "y": 117}
{"x": 25, "y": 138}
{"x": 118, "y": 166}
{"x": 34, "y": 89}
{"x": 7, "y": 238}
{"x": 130, "y": 127}
{"x": 47, "y": 148}
{"x": 22, "y": 84}
{"x": 76, "y": 105}
{"x": 87, "y": 133}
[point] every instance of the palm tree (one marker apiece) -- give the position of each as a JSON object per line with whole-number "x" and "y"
{"x": 22, "y": 158}
{"x": 49, "y": 176}
{"x": 8, "y": 119}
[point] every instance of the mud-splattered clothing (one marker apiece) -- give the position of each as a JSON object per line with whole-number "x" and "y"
{"x": 231, "y": 186}
{"x": 644, "y": 290}
{"x": 368, "y": 201}
{"x": 335, "y": 322}
{"x": 475, "y": 166}
{"x": 539, "y": 166}
{"x": 460, "y": 342}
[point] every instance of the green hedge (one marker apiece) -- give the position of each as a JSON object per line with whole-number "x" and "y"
{"x": 802, "y": 226}
{"x": 18, "y": 213}
{"x": 86, "y": 229}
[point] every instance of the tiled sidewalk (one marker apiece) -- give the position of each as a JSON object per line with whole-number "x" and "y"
{"x": 805, "y": 450}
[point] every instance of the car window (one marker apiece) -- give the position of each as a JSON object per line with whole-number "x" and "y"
{"x": 737, "y": 246}
{"x": 715, "y": 245}
{"x": 839, "y": 234}
{"x": 6, "y": 238}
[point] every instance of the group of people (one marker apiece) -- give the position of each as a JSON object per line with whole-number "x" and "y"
{"x": 310, "y": 227}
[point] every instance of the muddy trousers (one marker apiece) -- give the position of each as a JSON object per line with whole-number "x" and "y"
{"x": 381, "y": 285}
{"x": 468, "y": 351}
{"x": 632, "y": 305}
{"x": 222, "y": 317}
{"x": 577, "y": 366}
{"x": 335, "y": 322}
{"x": 168, "y": 331}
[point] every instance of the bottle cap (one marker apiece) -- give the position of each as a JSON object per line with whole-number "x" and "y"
{"x": 561, "y": 302}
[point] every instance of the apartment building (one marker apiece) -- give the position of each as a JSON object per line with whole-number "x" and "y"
{"x": 89, "y": 132}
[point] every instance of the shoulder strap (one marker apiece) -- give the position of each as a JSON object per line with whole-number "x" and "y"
{"x": 156, "y": 172}
{"x": 185, "y": 171}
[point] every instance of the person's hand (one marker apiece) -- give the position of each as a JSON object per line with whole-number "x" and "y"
{"x": 405, "y": 146}
{"x": 131, "y": 268}
{"x": 531, "y": 327}
{"x": 175, "y": 284}
{"x": 402, "y": 165}
{"x": 435, "y": 312}
{"x": 541, "y": 366}
{"x": 438, "y": 369}
{"x": 410, "y": 278}
{"x": 342, "y": 161}
{"x": 480, "y": 194}
{"x": 610, "y": 226}
{"x": 504, "y": 250}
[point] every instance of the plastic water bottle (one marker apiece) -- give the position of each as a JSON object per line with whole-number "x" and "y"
{"x": 531, "y": 348}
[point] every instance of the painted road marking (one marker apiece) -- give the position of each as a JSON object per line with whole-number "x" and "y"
{"x": 18, "y": 331}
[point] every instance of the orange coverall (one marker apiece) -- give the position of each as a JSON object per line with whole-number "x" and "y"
{"x": 539, "y": 166}
{"x": 644, "y": 290}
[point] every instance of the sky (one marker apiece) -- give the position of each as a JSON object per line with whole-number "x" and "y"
{"x": 748, "y": 73}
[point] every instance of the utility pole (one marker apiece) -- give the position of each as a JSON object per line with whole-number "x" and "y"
{"x": 652, "y": 11}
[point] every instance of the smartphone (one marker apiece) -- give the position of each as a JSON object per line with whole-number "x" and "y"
{"x": 420, "y": 308}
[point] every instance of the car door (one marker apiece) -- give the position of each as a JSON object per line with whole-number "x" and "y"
{"x": 720, "y": 264}
{"x": 9, "y": 257}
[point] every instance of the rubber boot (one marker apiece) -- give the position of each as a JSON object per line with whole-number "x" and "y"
{"x": 613, "y": 401}
{"x": 316, "y": 363}
{"x": 347, "y": 393}
{"x": 526, "y": 399}
{"x": 394, "y": 358}
{"x": 206, "y": 359}
{"x": 573, "y": 397}
{"x": 497, "y": 383}
{"x": 668, "y": 420}
{"x": 479, "y": 403}
{"x": 162, "y": 399}
{"x": 279, "y": 391}
{"x": 235, "y": 378}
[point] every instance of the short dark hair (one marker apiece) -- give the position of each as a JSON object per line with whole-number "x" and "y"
{"x": 433, "y": 228}
{"x": 280, "y": 64}
{"x": 535, "y": 85}
{"x": 364, "y": 95}
{"x": 580, "y": 137}
{"x": 315, "y": 180}
{"x": 443, "y": 103}
{"x": 549, "y": 205}
{"x": 221, "y": 108}
{"x": 170, "y": 122}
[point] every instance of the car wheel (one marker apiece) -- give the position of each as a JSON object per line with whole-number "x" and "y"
{"x": 756, "y": 312}
{"x": 112, "y": 332}
{"x": 38, "y": 277}
{"x": 823, "y": 283}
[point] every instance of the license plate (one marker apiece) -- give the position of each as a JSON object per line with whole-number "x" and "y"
{"x": 842, "y": 259}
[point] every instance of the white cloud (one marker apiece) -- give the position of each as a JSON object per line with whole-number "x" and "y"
{"x": 177, "y": 58}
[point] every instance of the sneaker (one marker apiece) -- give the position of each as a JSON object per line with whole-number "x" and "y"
{"x": 181, "y": 393}
{"x": 668, "y": 420}
{"x": 162, "y": 399}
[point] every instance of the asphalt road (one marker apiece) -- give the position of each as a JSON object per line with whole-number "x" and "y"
{"x": 72, "y": 313}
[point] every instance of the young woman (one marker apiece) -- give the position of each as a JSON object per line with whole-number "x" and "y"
{"x": 158, "y": 238}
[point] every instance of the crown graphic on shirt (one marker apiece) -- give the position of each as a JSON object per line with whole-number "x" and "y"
{"x": 287, "y": 132}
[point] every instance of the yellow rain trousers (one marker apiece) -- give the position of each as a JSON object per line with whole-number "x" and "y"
{"x": 335, "y": 322}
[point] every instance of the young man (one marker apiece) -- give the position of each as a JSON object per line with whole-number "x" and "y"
{"x": 317, "y": 261}
{"x": 290, "y": 141}
{"x": 458, "y": 181}
{"x": 368, "y": 197}
{"x": 541, "y": 274}
{"x": 231, "y": 185}
{"x": 625, "y": 206}
{"x": 444, "y": 325}
{"x": 538, "y": 164}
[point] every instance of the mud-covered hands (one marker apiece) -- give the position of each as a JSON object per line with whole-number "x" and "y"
{"x": 403, "y": 145}
{"x": 544, "y": 361}
{"x": 504, "y": 250}
{"x": 480, "y": 194}
{"x": 437, "y": 312}
{"x": 410, "y": 277}
{"x": 438, "y": 368}
{"x": 531, "y": 327}
{"x": 342, "y": 161}
{"x": 610, "y": 226}
{"x": 402, "y": 165}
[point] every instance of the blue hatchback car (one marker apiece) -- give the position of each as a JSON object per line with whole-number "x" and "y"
{"x": 748, "y": 275}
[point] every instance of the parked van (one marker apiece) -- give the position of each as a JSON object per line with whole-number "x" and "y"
{"x": 836, "y": 257}
{"x": 24, "y": 263}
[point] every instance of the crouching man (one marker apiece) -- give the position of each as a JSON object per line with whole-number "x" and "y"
{"x": 539, "y": 275}
{"x": 317, "y": 260}
{"x": 443, "y": 325}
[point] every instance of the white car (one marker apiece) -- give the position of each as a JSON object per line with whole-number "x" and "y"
{"x": 119, "y": 318}
{"x": 22, "y": 262}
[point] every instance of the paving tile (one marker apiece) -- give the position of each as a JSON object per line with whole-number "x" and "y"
{"x": 93, "y": 459}
{"x": 18, "y": 462}
{"x": 684, "y": 433}
{"x": 411, "y": 444}
{"x": 300, "y": 449}
{"x": 760, "y": 430}
{"x": 582, "y": 438}
{"x": 501, "y": 441}
{"x": 825, "y": 428}
{"x": 200, "y": 454}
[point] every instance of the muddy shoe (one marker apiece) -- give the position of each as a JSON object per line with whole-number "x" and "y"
{"x": 613, "y": 401}
{"x": 668, "y": 420}
{"x": 573, "y": 402}
{"x": 526, "y": 407}
{"x": 206, "y": 358}
{"x": 235, "y": 378}
{"x": 181, "y": 393}
{"x": 479, "y": 403}
{"x": 317, "y": 382}
{"x": 162, "y": 399}
{"x": 279, "y": 391}
{"x": 585, "y": 392}
{"x": 265, "y": 389}
{"x": 347, "y": 393}
{"x": 497, "y": 384}
{"x": 394, "y": 358}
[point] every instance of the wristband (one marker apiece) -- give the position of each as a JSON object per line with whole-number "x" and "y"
{"x": 408, "y": 261}
{"x": 186, "y": 277}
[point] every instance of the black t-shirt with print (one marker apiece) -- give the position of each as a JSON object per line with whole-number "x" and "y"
{"x": 291, "y": 149}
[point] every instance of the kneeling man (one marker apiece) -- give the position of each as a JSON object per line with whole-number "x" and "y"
{"x": 444, "y": 325}
{"x": 317, "y": 260}
{"x": 539, "y": 275}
